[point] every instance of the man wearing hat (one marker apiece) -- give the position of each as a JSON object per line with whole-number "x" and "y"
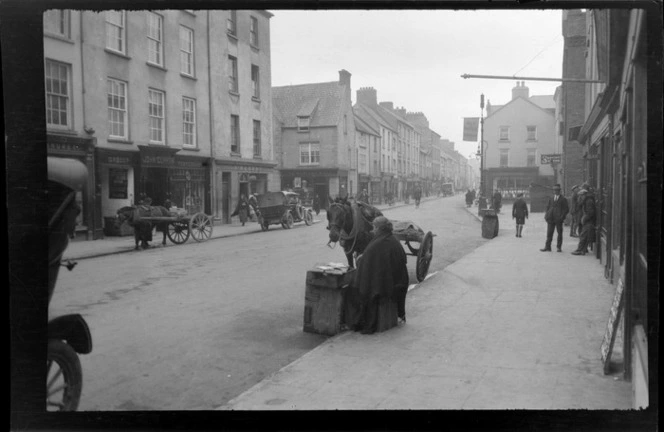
{"x": 587, "y": 236}
{"x": 556, "y": 212}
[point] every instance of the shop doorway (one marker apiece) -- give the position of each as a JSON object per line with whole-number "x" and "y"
{"x": 156, "y": 184}
{"x": 323, "y": 191}
{"x": 225, "y": 197}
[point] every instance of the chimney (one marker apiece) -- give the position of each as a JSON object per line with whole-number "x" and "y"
{"x": 401, "y": 112}
{"x": 418, "y": 118}
{"x": 344, "y": 78}
{"x": 520, "y": 90}
{"x": 387, "y": 105}
{"x": 367, "y": 96}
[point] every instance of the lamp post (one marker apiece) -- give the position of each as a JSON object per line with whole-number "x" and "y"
{"x": 482, "y": 201}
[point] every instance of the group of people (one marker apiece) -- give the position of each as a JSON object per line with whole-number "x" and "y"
{"x": 246, "y": 207}
{"x": 583, "y": 218}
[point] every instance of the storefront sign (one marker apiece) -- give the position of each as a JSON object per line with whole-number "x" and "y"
{"x": 66, "y": 147}
{"x": 157, "y": 161}
{"x": 547, "y": 159}
{"x": 117, "y": 183}
{"x": 187, "y": 174}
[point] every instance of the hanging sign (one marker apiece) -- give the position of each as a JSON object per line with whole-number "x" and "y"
{"x": 470, "y": 126}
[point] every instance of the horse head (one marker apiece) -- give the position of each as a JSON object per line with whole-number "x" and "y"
{"x": 339, "y": 219}
{"x": 126, "y": 214}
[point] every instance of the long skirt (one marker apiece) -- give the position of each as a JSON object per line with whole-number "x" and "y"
{"x": 243, "y": 215}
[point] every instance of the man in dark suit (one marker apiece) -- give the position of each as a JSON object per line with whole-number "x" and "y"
{"x": 556, "y": 211}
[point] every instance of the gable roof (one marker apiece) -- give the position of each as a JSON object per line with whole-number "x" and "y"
{"x": 363, "y": 125}
{"x": 543, "y": 101}
{"x": 323, "y": 102}
{"x": 371, "y": 116}
{"x": 546, "y": 110}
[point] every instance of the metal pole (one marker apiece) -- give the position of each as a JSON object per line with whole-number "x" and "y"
{"x": 466, "y": 76}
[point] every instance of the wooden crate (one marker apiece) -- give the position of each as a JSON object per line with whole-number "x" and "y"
{"x": 324, "y": 301}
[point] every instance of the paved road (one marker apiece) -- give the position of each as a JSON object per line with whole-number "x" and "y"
{"x": 191, "y": 327}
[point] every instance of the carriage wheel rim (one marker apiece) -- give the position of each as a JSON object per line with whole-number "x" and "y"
{"x": 178, "y": 232}
{"x": 424, "y": 257}
{"x": 201, "y": 227}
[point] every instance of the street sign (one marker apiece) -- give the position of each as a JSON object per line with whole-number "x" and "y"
{"x": 547, "y": 159}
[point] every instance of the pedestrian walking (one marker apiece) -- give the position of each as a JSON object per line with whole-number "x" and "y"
{"x": 317, "y": 204}
{"x": 575, "y": 211}
{"x": 520, "y": 213}
{"x": 497, "y": 201}
{"x": 587, "y": 235}
{"x": 556, "y": 211}
{"x": 381, "y": 278}
{"x": 242, "y": 209}
{"x": 469, "y": 198}
{"x": 418, "y": 196}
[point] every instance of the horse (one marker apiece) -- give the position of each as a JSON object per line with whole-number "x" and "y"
{"x": 350, "y": 224}
{"x": 143, "y": 228}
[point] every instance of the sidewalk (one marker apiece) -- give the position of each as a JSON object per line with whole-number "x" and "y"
{"x": 82, "y": 249}
{"x": 505, "y": 327}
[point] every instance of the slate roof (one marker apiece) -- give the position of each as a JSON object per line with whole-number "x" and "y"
{"x": 369, "y": 115}
{"x": 543, "y": 101}
{"x": 363, "y": 125}
{"x": 322, "y": 101}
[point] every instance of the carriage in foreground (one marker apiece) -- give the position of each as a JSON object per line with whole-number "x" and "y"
{"x": 350, "y": 224}
{"x": 282, "y": 208}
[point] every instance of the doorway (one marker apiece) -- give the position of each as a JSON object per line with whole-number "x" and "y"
{"x": 225, "y": 197}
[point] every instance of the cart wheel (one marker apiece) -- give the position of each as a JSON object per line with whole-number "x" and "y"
{"x": 287, "y": 222}
{"x": 200, "y": 226}
{"x": 263, "y": 223}
{"x": 308, "y": 217}
{"x": 178, "y": 232}
{"x": 424, "y": 257}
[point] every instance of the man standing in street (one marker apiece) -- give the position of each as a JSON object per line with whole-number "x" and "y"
{"x": 556, "y": 211}
{"x": 520, "y": 213}
{"x": 587, "y": 235}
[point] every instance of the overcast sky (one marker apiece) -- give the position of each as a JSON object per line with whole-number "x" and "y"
{"x": 415, "y": 58}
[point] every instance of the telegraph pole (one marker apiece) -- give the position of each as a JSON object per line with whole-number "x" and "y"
{"x": 481, "y": 207}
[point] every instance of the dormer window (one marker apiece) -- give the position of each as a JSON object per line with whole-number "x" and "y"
{"x": 303, "y": 124}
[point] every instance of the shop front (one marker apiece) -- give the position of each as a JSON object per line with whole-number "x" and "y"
{"x": 322, "y": 182}
{"x": 234, "y": 177}
{"x": 89, "y": 221}
{"x": 164, "y": 175}
{"x": 116, "y": 174}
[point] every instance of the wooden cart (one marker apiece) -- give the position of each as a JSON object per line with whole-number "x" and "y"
{"x": 408, "y": 232}
{"x": 180, "y": 227}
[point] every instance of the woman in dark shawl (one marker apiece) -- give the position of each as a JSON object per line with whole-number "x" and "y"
{"x": 381, "y": 276}
{"x": 242, "y": 209}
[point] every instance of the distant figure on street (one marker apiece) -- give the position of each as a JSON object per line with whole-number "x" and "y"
{"x": 556, "y": 211}
{"x": 469, "y": 198}
{"x": 587, "y": 235}
{"x": 520, "y": 213}
{"x": 497, "y": 201}
{"x": 363, "y": 196}
{"x": 317, "y": 204}
{"x": 417, "y": 195}
{"x": 575, "y": 211}
{"x": 242, "y": 209}
{"x": 381, "y": 276}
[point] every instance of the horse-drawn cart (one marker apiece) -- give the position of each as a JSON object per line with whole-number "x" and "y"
{"x": 350, "y": 224}
{"x": 198, "y": 226}
{"x": 408, "y": 232}
{"x": 174, "y": 224}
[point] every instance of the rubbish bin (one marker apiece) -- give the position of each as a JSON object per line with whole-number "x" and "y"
{"x": 490, "y": 224}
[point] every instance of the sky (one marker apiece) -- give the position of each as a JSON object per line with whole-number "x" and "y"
{"x": 415, "y": 58}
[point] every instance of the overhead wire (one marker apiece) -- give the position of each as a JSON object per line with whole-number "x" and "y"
{"x": 537, "y": 55}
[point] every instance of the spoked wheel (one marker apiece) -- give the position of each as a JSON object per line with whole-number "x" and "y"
{"x": 308, "y": 217}
{"x": 178, "y": 232}
{"x": 64, "y": 379}
{"x": 424, "y": 257}
{"x": 200, "y": 226}
{"x": 288, "y": 221}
